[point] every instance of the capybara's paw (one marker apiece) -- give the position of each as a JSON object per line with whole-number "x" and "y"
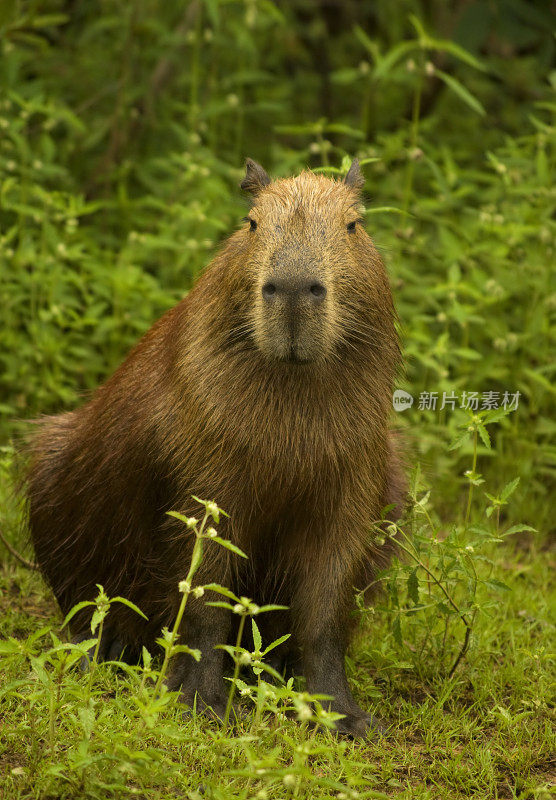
{"x": 175, "y": 678}
{"x": 356, "y": 726}
{"x": 111, "y": 648}
{"x": 213, "y": 709}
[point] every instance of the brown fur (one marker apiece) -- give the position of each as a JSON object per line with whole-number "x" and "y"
{"x": 280, "y": 416}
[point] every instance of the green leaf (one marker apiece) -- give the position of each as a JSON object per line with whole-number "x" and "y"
{"x": 177, "y": 515}
{"x": 48, "y": 20}
{"x": 231, "y": 649}
{"x": 277, "y": 642}
{"x": 71, "y": 614}
{"x": 542, "y": 380}
{"x": 367, "y": 42}
{"x": 256, "y": 635}
{"x": 397, "y": 630}
{"x": 509, "y": 489}
{"x": 9, "y": 688}
{"x": 229, "y": 546}
{"x": 447, "y": 46}
{"x": 216, "y": 587}
{"x": 384, "y": 65}
{"x": 413, "y": 586}
{"x": 219, "y": 604}
{"x": 10, "y": 647}
{"x": 444, "y": 45}
{"x": 519, "y": 529}
{"x": 459, "y": 440}
{"x": 268, "y": 669}
{"x": 495, "y": 415}
{"x": 98, "y": 617}
{"x": 482, "y": 431}
{"x": 129, "y": 604}
{"x": 183, "y": 648}
{"x": 498, "y": 586}
{"x": 339, "y": 127}
{"x": 460, "y": 90}
{"x": 147, "y": 658}
{"x": 197, "y": 555}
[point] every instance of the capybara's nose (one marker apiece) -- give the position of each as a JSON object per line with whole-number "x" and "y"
{"x": 294, "y": 289}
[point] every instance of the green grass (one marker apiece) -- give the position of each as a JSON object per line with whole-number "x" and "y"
{"x": 486, "y": 732}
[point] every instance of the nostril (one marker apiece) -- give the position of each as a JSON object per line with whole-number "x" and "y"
{"x": 269, "y": 289}
{"x": 318, "y": 291}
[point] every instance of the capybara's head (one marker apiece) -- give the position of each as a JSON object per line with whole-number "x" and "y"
{"x": 315, "y": 281}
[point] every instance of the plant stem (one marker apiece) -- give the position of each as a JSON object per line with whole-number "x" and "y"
{"x": 413, "y": 141}
{"x": 95, "y": 658}
{"x": 174, "y": 635}
{"x": 470, "y": 495}
{"x": 51, "y": 723}
{"x": 448, "y": 597}
{"x": 236, "y": 670}
{"x": 170, "y": 646}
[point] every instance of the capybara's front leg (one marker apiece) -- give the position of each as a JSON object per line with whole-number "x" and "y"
{"x": 324, "y": 666}
{"x": 202, "y": 682}
{"x": 321, "y": 614}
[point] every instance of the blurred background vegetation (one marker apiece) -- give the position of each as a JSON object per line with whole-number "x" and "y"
{"x": 123, "y": 131}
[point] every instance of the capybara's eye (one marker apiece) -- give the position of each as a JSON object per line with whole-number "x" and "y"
{"x": 252, "y": 224}
{"x": 351, "y": 226}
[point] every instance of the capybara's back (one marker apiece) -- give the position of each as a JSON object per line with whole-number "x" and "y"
{"x": 267, "y": 389}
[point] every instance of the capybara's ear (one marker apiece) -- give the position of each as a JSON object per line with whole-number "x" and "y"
{"x": 255, "y": 177}
{"x": 354, "y": 177}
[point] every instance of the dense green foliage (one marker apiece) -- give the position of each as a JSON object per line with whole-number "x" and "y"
{"x": 123, "y": 130}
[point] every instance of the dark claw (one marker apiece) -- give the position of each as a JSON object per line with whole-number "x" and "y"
{"x": 109, "y": 650}
{"x": 358, "y": 727}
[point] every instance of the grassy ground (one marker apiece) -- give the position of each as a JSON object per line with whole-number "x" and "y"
{"x": 485, "y": 733}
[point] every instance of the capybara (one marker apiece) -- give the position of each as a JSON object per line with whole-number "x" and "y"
{"x": 268, "y": 389}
